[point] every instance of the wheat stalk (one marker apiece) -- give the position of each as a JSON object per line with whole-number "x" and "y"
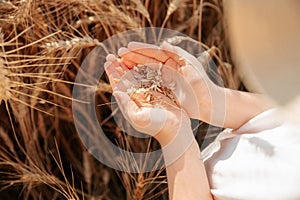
{"x": 4, "y": 83}
{"x": 42, "y": 45}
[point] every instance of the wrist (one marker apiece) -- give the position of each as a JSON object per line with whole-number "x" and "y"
{"x": 206, "y": 93}
{"x": 182, "y": 140}
{"x": 168, "y": 135}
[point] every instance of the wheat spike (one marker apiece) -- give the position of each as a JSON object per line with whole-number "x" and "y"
{"x": 4, "y": 83}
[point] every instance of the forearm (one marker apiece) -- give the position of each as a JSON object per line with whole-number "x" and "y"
{"x": 186, "y": 175}
{"x": 231, "y": 108}
{"x": 243, "y": 106}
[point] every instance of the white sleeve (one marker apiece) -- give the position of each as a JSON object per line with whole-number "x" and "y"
{"x": 258, "y": 161}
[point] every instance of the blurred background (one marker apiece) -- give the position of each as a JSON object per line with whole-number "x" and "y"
{"x": 265, "y": 44}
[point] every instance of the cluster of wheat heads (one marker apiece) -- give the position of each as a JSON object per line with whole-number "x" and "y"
{"x": 42, "y": 45}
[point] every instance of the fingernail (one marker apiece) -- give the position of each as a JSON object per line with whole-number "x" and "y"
{"x": 110, "y": 57}
{"x": 136, "y": 45}
{"x": 166, "y": 44}
{"x": 106, "y": 64}
{"x": 122, "y": 51}
{"x": 133, "y": 44}
{"x": 167, "y": 47}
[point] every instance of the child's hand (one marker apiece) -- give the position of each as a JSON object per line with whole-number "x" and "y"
{"x": 192, "y": 86}
{"x": 195, "y": 92}
{"x": 160, "y": 117}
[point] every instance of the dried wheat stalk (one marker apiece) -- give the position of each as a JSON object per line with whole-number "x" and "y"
{"x": 4, "y": 83}
{"x": 42, "y": 46}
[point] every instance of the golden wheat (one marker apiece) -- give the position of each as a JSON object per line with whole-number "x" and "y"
{"x": 4, "y": 83}
{"x": 43, "y": 44}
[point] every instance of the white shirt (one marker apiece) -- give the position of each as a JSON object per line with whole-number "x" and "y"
{"x": 260, "y": 160}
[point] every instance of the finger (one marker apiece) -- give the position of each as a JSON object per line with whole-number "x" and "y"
{"x": 122, "y": 99}
{"x": 182, "y": 56}
{"x": 128, "y": 63}
{"x": 193, "y": 76}
{"x": 111, "y": 67}
{"x": 170, "y": 63}
{"x": 155, "y": 65}
{"x": 120, "y": 77}
{"x": 135, "y": 57}
{"x": 168, "y": 70}
{"x": 172, "y": 52}
{"x": 114, "y": 68}
{"x": 113, "y": 75}
{"x": 178, "y": 54}
{"x": 111, "y": 58}
{"x": 148, "y": 50}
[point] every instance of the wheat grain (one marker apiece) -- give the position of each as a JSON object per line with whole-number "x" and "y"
{"x": 149, "y": 80}
{"x": 74, "y": 42}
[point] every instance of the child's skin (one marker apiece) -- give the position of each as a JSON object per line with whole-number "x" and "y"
{"x": 198, "y": 98}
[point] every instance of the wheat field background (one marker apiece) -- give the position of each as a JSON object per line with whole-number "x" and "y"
{"x": 43, "y": 44}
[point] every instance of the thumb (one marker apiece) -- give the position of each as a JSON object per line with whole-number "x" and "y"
{"x": 122, "y": 99}
{"x": 177, "y": 53}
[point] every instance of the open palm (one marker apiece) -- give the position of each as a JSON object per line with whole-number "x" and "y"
{"x": 160, "y": 117}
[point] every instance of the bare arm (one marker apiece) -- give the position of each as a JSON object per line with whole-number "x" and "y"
{"x": 187, "y": 176}
{"x": 228, "y": 108}
{"x": 243, "y": 106}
